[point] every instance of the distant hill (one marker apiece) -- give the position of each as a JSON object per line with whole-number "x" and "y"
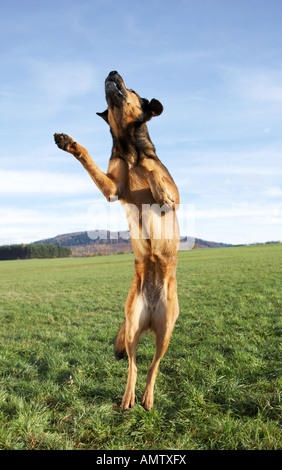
{"x": 105, "y": 242}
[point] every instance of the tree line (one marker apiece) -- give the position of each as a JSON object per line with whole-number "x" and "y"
{"x": 31, "y": 251}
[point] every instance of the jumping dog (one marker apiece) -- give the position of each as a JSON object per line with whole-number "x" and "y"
{"x": 150, "y": 197}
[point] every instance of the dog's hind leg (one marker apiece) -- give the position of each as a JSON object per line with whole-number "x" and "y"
{"x": 137, "y": 321}
{"x": 162, "y": 324}
{"x": 119, "y": 348}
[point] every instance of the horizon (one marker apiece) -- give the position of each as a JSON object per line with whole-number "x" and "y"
{"x": 217, "y": 70}
{"x": 118, "y": 233}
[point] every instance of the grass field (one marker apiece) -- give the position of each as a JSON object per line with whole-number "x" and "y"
{"x": 218, "y": 384}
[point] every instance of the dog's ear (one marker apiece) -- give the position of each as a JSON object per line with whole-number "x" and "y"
{"x": 104, "y": 115}
{"x": 156, "y": 108}
{"x": 152, "y": 108}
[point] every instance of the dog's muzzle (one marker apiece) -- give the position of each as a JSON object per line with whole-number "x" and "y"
{"x": 115, "y": 92}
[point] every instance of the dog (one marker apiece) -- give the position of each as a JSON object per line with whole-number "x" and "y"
{"x": 150, "y": 197}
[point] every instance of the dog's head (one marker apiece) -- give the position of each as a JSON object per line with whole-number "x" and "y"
{"x": 125, "y": 106}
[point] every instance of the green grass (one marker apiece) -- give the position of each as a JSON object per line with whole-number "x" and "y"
{"x": 218, "y": 384}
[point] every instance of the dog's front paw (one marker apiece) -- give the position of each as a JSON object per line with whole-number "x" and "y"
{"x": 63, "y": 141}
{"x": 167, "y": 200}
{"x": 160, "y": 191}
{"x": 164, "y": 199}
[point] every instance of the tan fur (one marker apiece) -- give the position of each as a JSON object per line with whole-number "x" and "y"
{"x": 137, "y": 177}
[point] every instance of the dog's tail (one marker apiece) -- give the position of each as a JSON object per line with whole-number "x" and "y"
{"x": 119, "y": 348}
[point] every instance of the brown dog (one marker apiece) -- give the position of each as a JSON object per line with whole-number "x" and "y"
{"x": 149, "y": 195}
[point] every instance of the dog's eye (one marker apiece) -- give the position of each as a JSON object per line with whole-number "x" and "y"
{"x": 132, "y": 91}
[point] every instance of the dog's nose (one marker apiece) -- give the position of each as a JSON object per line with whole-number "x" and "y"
{"x": 114, "y": 72}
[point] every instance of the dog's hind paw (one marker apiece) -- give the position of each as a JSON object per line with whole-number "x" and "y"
{"x": 147, "y": 400}
{"x": 128, "y": 401}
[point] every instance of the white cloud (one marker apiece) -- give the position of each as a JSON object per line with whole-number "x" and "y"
{"x": 244, "y": 210}
{"x": 39, "y": 182}
{"x": 63, "y": 80}
{"x": 44, "y": 87}
{"x": 18, "y": 225}
{"x": 275, "y": 191}
{"x": 25, "y": 225}
{"x": 241, "y": 223}
{"x": 260, "y": 85}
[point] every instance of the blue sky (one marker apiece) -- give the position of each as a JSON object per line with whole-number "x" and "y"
{"x": 215, "y": 65}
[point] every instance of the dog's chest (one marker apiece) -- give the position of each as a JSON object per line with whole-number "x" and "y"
{"x": 137, "y": 178}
